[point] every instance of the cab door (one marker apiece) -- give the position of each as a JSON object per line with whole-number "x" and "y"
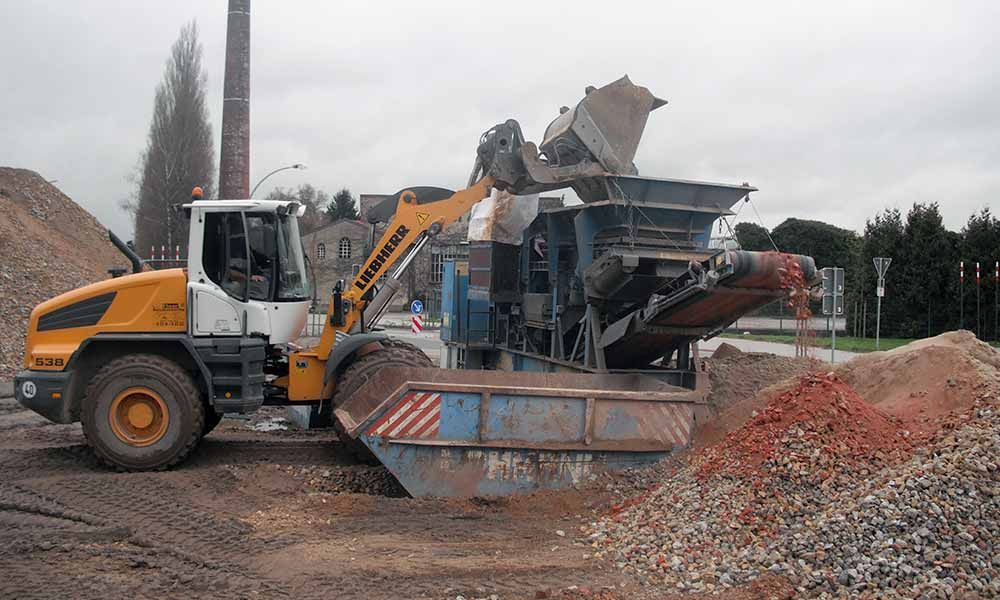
{"x": 220, "y": 280}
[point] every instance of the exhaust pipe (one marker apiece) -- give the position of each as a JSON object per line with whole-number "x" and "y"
{"x": 128, "y": 252}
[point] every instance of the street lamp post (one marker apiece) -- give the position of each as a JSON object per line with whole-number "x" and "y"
{"x": 881, "y": 266}
{"x": 298, "y": 166}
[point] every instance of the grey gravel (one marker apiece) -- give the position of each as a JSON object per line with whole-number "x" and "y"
{"x": 927, "y": 527}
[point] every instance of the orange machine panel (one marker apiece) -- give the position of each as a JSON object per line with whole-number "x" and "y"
{"x": 148, "y": 302}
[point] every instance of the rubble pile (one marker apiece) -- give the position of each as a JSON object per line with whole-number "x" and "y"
{"x": 826, "y": 490}
{"x": 737, "y": 377}
{"x": 49, "y": 245}
{"x": 822, "y": 413}
{"x": 930, "y": 528}
{"x": 925, "y": 379}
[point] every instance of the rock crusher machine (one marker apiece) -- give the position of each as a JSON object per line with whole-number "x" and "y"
{"x": 575, "y": 346}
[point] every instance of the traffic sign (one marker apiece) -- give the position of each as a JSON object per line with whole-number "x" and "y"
{"x": 416, "y": 307}
{"x": 881, "y": 265}
{"x": 833, "y": 291}
{"x": 833, "y": 302}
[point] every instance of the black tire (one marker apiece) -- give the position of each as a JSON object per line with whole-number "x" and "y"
{"x": 394, "y": 353}
{"x": 212, "y": 419}
{"x": 184, "y": 419}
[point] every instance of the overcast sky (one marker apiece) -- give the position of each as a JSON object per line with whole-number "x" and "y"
{"x": 833, "y": 112}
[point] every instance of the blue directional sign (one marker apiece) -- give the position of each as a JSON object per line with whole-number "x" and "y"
{"x": 417, "y": 307}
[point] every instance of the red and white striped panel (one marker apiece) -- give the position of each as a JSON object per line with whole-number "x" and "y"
{"x": 666, "y": 422}
{"x": 416, "y": 415}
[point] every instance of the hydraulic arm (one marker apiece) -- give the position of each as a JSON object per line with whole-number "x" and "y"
{"x": 417, "y": 215}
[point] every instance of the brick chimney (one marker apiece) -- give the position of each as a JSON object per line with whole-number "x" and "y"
{"x": 234, "y": 160}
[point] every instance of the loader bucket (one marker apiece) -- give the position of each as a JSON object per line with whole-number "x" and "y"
{"x": 481, "y": 433}
{"x": 606, "y": 125}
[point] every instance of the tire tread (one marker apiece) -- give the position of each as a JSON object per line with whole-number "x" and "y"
{"x": 190, "y": 394}
{"x": 393, "y": 353}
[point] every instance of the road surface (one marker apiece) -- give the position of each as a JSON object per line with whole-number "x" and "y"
{"x": 773, "y": 348}
{"x": 429, "y": 342}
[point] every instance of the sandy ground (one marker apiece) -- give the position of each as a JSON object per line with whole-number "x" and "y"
{"x": 281, "y": 513}
{"x": 255, "y": 514}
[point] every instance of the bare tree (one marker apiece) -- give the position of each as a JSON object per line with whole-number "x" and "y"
{"x": 179, "y": 154}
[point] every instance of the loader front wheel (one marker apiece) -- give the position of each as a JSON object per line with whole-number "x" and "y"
{"x": 212, "y": 419}
{"x": 142, "y": 412}
{"x": 394, "y": 353}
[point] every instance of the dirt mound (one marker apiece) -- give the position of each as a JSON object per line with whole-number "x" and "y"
{"x": 744, "y": 382}
{"x": 49, "y": 245}
{"x": 821, "y": 410}
{"x": 740, "y": 376}
{"x": 726, "y": 350}
{"x": 927, "y": 378}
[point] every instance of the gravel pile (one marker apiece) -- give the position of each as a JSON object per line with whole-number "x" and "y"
{"x": 930, "y": 528}
{"x": 822, "y": 414}
{"x": 820, "y": 488}
{"x": 49, "y": 245}
{"x": 737, "y": 376}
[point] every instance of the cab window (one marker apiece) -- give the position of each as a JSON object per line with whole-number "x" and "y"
{"x": 224, "y": 255}
{"x": 261, "y": 233}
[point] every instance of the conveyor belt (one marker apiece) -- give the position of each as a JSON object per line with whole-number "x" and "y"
{"x": 751, "y": 280}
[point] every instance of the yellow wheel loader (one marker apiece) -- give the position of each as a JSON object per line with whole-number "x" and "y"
{"x": 149, "y": 362}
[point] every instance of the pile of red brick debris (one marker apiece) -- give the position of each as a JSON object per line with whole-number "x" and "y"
{"x": 836, "y": 493}
{"x": 822, "y": 410}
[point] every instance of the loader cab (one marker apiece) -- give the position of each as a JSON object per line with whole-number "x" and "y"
{"x": 247, "y": 274}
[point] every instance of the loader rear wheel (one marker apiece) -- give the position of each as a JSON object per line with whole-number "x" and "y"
{"x": 394, "y": 353}
{"x": 142, "y": 412}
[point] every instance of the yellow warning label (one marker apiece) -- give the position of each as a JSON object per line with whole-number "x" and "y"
{"x": 422, "y": 217}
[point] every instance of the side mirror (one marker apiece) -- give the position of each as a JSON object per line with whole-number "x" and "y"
{"x": 337, "y": 310}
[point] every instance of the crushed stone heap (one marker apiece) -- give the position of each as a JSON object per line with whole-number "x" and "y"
{"x": 821, "y": 412}
{"x": 49, "y": 245}
{"x": 840, "y": 492}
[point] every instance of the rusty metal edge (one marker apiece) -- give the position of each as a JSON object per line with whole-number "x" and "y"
{"x": 686, "y": 397}
{"x": 695, "y": 397}
{"x": 630, "y": 446}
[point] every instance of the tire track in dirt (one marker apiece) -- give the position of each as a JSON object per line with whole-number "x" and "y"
{"x": 255, "y": 515}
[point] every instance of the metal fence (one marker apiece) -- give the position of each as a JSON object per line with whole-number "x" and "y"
{"x": 164, "y": 258}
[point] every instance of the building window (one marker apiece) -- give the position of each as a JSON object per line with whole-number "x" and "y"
{"x": 440, "y": 254}
{"x": 321, "y": 251}
{"x": 345, "y": 248}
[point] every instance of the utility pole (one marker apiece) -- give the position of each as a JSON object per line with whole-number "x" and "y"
{"x": 864, "y": 316}
{"x": 881, "y": 266}
{"x": 996, "y": 301}
{"x": 961, "y": 295}
{"x": 854, "y": 318}
{"x": 979, "y": 329}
